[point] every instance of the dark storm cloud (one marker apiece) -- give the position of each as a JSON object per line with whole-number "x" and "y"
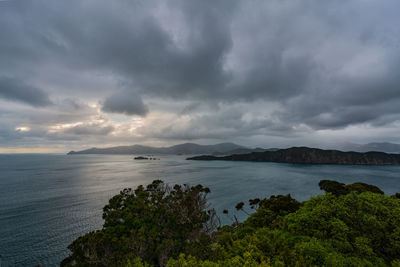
{"x": 130, "y": 41}
{"x": 16, "y": 90}
{"x": 125, "y": 102}
{"x": 320, "y": 65}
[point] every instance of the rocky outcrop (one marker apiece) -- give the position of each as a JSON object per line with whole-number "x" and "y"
{"x": 145, "y": 158}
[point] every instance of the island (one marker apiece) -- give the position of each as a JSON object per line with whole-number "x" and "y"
{"x": 306, "y": 155}
{"x": 140, "y": 158}
{"x": 145, "y": 158}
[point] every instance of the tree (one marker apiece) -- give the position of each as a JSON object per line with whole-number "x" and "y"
{"x": 363, "y": 187}
{"x": 271, "y": 209}
{"x": 333, "y": 187}
{"x": 152, "y": 223}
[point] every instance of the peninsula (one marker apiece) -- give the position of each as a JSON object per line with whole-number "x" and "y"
{"x": 306, "y": 155}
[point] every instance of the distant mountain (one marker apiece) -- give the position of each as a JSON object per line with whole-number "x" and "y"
{"x": 186, "y": 149}
{"x": 308, "y": 155}
{"x": 381, "y": 147}
{"x": 239, "y": 151}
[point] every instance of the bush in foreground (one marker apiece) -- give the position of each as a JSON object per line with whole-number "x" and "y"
{"x": 153, "y": 223}
{"x": 351, "y": 225}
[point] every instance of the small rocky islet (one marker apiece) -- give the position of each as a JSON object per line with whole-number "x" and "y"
{"x": 145, "y": 158}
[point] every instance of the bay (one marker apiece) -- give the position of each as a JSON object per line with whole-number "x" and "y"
{"x": 47, "y": 201}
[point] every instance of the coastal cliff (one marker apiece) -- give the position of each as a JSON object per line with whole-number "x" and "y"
{"x": 306, "y": 155}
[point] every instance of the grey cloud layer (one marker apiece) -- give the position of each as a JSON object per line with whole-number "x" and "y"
{"x": 126, "y": 102}
{"x": 90, "y": 130}
{"x": 326, "y": 65}
{"x": 17, "y": 90}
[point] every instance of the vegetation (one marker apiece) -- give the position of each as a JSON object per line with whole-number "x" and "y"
{"x": 350, "y": 225}
{"x": 153, "y": 223}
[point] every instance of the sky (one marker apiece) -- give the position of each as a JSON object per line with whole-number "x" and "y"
{"x": 81, "y": 73}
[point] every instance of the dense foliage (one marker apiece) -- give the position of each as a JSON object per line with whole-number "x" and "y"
{"x": 337, "y": 188}
{"x": 351, "y": 225}
{"x": 153, "y": 223}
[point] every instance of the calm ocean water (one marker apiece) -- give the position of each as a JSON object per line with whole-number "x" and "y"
{"x": 46, "y": 201}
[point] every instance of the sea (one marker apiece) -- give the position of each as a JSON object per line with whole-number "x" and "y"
{"x": 48, "y": 200}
